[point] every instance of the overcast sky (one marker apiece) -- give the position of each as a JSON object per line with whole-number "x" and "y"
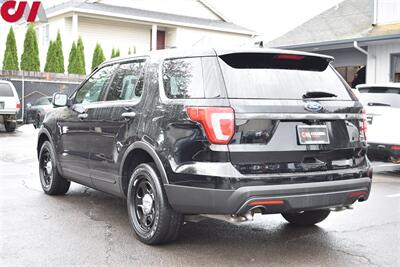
{"x": 271, "y": 18}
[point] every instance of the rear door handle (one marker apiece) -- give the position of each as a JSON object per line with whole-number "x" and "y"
{"x": 128, "y": 114}
{"x": 83, "y": 116}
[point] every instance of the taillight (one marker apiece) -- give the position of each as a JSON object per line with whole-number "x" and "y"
{"x": 18, "y": 106}
{"x": 363, "y": 128}
{"x": 218, "y": 122}
{"x": 395, "y": 147}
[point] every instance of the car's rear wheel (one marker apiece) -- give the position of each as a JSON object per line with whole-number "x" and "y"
{"x": 306, "y": 218}
{"x": 10, "y": 126}
{"x": 52, "y": 182}
{"x": 150, "y": 215}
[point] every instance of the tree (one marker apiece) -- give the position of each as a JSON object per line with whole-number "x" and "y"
{"x": 10, "y": 61}
{"x": 72, "y": 60}
{"x": 115, "y": 53}
{"x": 132, "y": 51}
{"x": 50, "y": 58}
{"x": 98, "y": 56}
{"x": 80, "y": 55}
{"x": 59, "y": 55}
{"x": 30, "y": 56}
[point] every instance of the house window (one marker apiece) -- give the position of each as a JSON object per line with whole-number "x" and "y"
{"x": 395, "y": 68}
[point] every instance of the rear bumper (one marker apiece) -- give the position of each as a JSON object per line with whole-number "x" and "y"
{"x": 382, "y": 151}
{"x": 269, "y": 198}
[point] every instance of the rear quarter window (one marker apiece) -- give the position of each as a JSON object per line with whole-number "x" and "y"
{"x": 197, "y": 77}
{"x": 6, "y": 90}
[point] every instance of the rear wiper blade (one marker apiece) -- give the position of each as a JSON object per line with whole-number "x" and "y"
{"x": 378, "y": 104}
{"x": 318, "y": 94}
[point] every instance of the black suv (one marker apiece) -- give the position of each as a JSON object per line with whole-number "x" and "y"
{"x": 210, "y": 133}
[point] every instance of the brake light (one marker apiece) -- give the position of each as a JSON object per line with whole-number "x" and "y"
{"x": 217, "y": 122}
{"x": 18, "y": 106}
{"x": 289, "y": 57}
{"x": 363, "y": 128}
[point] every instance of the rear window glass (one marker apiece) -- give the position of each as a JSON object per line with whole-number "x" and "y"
{"x": 279, "y": 76}
{"x": 197, "y": 77}
{"x": 380, "y": 96}
{"x": 5, "y": 90}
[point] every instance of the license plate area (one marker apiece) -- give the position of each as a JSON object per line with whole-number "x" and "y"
{"x": 1, "y": 105}
{"x": 313, "y": 134}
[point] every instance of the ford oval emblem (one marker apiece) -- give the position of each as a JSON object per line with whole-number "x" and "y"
{"x": 313, "y": 106}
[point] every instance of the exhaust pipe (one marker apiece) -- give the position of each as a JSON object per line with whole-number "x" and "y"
{"x": 233, "y": 218}
{"x": 342, "y": 208}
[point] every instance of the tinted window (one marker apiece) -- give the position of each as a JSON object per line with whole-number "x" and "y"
{"x": 279, "y": 77}
{"x": 380, "y": 96}
{"x": 5, "y": 90}
{"x": 91, "y": 91}
{"x": 128, "y": 82}
{"x": 183, "y": 78}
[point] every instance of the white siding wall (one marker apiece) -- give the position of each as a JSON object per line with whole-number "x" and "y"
{"x": 112, "y": 34}
{"x": 378, "y": 65}
{"x": 190, "y": 37}
{"x": 388, "y": 11}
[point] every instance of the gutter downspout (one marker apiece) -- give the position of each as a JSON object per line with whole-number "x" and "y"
{"x": 365, "y": 52}
{"x": 355, "y": 45}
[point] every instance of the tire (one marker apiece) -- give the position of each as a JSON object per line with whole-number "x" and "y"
{"x": 50, "y": 179}
{"x": 10, "y": 126}
{"x": 306, "y": 218}
{"x": 150, "y": 215}
{"x": 36, "y": 123}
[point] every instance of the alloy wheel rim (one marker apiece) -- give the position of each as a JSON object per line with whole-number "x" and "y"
{"x": 144, "y": 203}
{"x": 46, "y": 167}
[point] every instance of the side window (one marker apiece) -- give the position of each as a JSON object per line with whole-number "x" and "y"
{"x": 92, "y": 89}
{"x": 183, "y": 78}
{"x": 128, "y": 81}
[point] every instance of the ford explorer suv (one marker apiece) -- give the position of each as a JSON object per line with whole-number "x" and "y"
{"x": 210, "y": 133}
{"x": 382, "y": 106}
{"x": 9, "y": 105}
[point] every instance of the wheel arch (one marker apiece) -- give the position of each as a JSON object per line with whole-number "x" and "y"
{"x": 137, "y": 153}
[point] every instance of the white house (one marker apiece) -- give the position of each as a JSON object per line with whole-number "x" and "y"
{"x": 134, "y": 24}
{"x": 357, "y": 33}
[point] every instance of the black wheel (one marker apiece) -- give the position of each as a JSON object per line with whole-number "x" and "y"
{"x": 10, "y": 126}
{"x": 52, "y": 182}
{"x": 306, "y": 218}
{"x": 150, "y": 215}
{"x": 36, "y": 123}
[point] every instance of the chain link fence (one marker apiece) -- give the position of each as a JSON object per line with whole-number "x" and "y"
{"x": 31, "y": 86}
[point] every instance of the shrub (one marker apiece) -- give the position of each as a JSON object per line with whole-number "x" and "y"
{"x": 98, "y": 56}
{"x": 30, "y": 56}
{"x": 10, "y": 61}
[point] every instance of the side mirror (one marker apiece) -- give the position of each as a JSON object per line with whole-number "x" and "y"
{"x": 29, "y": 105}
{"x": 59, "y": 100}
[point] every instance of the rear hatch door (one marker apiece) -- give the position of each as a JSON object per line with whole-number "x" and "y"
{"x": 293, "y": 113}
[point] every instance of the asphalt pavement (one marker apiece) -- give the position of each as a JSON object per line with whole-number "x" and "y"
{"x": 90, "y": 228}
